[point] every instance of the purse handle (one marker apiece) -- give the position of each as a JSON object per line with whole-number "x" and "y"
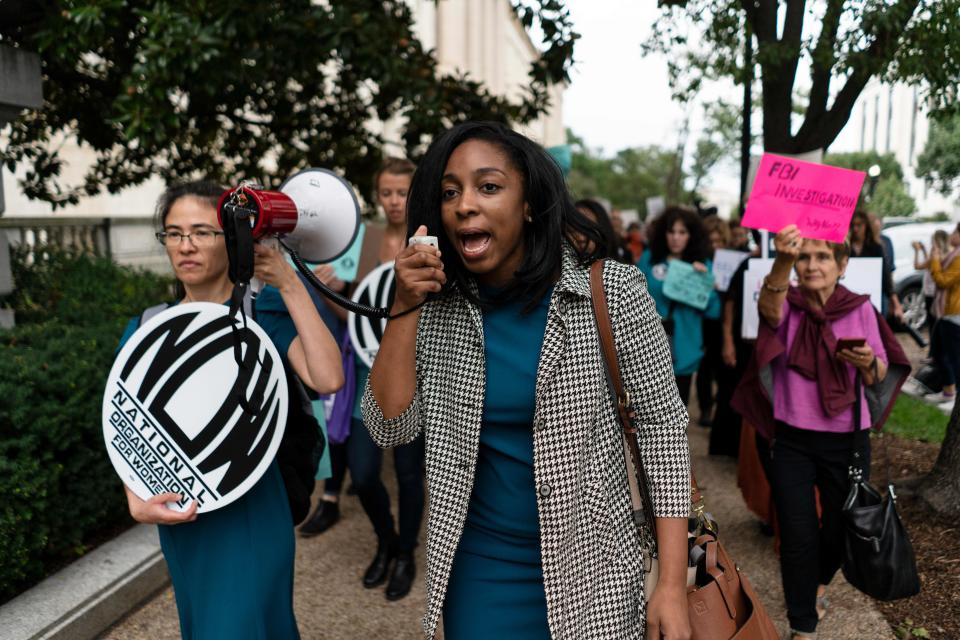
{"x": 637, "y": 480}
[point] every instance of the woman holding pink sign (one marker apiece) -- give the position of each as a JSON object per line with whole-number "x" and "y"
{"x": 817, "y": 342}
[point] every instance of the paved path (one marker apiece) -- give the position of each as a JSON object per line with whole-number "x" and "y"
{"x": 331, "y": 603}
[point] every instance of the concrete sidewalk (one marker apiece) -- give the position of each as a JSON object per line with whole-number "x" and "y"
{"x": 331, "y": 603}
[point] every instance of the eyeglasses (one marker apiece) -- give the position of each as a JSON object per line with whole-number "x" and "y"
{"x": 200, "y": 237}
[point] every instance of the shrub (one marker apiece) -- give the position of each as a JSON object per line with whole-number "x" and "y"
{"x": 59, "y": 488}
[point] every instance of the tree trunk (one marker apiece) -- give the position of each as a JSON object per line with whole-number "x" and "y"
{"x": 941, "y": 488}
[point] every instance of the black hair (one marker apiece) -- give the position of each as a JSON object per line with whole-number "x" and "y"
{"x": 554, "y": 216}
{"x": 611, "y": 244}
{"x": 698, "y": 246}
{"x": 205, "y": 190}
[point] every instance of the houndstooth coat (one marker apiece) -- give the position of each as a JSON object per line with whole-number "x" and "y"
{"x": 590, "y": 546}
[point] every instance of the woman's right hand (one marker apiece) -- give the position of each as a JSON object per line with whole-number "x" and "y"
{"x": 418, "y": 271}
{"x": 788, "y": 242}
{"x": 155, "y": 510}
{"x": 729, "y": 353}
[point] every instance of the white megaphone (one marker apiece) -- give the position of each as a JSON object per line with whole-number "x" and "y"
{"x": 315, "y": 213}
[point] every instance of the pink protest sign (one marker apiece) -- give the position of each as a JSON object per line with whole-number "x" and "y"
{"x": 819, "y": 199}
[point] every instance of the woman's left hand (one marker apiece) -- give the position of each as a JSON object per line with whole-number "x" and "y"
{"x": 270, "y": 267}
{"x": 667, "y": 615}
{"x": 860, "y": 357}
{"x": 699, "y": 266}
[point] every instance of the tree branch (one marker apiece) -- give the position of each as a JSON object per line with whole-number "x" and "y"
{"x": 821, "y": 70}
{"x": 874, "y": 59}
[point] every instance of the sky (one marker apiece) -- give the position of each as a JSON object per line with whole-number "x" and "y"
{"x": 618, "y": 98}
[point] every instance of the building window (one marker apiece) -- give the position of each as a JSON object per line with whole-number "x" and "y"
{"x": 913, "y": 129}
{"x": 889, "y": 117}
{"x": 876, "y": 121}
{"x": 863, "y": 126}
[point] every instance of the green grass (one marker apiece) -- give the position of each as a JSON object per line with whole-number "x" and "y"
{"x": 916, "y": 420}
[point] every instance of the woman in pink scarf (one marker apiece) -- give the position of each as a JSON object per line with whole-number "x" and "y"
{"x": 801, "y": 392}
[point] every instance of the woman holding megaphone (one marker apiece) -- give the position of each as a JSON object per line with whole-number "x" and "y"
{"x": 232, "y": 568}
{"x": 498, "y": 364}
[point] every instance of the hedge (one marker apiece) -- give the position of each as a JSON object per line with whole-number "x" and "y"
{"x": 59, "y": 489}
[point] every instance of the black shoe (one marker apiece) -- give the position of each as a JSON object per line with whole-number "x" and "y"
{"x": 379, "y": 568}
{"x": 401, "y": 578}
{"x": 326, "y": 515}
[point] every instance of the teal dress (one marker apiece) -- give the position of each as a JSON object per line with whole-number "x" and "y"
{"x": 232, "y": 569}
{"x": 496, "y": 583}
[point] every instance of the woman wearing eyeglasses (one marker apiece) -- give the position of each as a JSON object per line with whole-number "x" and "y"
{"x": 232, "y": 569}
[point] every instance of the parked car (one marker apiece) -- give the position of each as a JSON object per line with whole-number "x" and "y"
{"x": 907, "y": 281}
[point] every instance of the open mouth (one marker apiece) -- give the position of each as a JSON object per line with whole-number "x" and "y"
{"x": 474, "y": 243}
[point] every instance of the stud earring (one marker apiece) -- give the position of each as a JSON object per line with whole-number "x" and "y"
{"x": 528, "y": 218}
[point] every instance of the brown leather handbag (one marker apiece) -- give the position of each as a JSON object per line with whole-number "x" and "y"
{"x": 722, "y": 603}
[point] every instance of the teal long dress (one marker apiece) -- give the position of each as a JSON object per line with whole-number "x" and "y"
{"x": 496, "y": 583}
{"x": 232, "y": 569}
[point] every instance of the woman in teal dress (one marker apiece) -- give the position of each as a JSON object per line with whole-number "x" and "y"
{"x": 679, "y": 234}
{"x": 232, "y": 568}
{"x": 493, "y": 356}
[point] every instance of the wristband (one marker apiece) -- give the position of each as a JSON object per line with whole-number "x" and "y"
{"x": 770, "y": 287}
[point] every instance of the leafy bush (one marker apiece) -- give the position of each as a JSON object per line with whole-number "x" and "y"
{"x": 59, "y": 487}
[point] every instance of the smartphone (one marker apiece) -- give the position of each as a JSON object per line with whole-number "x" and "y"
{"x": 850, "y": 343}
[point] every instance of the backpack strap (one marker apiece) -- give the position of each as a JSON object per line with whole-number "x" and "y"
{"x": 150, "y": 312}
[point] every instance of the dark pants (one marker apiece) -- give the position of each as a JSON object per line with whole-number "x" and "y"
{"x": 711, "y": 364}
{"x": 338, "y": 469}
{"x": 683, "y": 386}
{"x": 725, "y": 432}
{"x": 947, "y": 352}
{"x": 811, "y": 551}
{"x": 365, "y": 460}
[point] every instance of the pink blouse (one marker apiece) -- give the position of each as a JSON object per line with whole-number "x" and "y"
{"x": 796, "y": 400}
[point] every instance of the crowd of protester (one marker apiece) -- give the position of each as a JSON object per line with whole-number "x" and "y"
{"x": 497, "y": 451}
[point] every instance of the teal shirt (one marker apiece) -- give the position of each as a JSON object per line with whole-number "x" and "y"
{"x": 502, "y": 521}
{"x": 687, "y": 341}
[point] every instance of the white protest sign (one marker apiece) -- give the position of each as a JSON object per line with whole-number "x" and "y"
{"x": 725, "y": 264}
{"x": 172, "y": 417}
{"x": 863, "y": 275}
{"x": 655, "y": 206}
{"x": 376, "y": 290}
{"x": 687, "y": 285}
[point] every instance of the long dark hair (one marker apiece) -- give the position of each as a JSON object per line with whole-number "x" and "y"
{"x": 698, "y": 246}
{"x": 554, "y": 216}
{"x": 611, "y": 244}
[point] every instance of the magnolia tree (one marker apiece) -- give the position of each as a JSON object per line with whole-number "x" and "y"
{"x": 243, "y": 88}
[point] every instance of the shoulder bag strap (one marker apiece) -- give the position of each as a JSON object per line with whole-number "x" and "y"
{"x": 636, "y": 476}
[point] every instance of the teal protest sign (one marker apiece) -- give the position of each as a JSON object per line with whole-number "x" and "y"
{"x": 688, "y": 286}
{"x": 346, "y": 265}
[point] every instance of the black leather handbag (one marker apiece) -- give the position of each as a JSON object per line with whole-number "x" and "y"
{"x": 878, "y": 557}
